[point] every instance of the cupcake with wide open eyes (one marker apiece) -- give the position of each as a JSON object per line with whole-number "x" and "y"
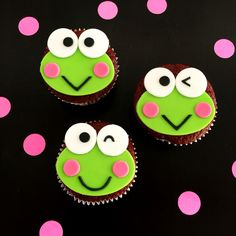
{"x": 97, "y": 162}
{"x": 79, "y": 66}
{"x": 175, "y": 103}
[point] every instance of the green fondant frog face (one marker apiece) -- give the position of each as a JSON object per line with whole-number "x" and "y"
{"x": 77, "y": 65}
{"x": 95, "y": 164}
{"x": 175, "y": 105}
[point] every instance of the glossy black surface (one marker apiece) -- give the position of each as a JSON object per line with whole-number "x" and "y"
{"x": 185, "y": 33}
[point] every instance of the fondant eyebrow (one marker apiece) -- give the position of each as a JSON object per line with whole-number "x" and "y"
{"x": 109, "y": 137}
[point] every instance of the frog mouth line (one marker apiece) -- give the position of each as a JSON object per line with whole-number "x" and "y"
{"x": 76, "y": 88}
{"x": 95, "y": 189}
{"x": 176, "y": 127}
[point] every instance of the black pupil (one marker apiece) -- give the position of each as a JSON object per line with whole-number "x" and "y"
{"x": 164, "y": 81}
{"x": 68, "y": 41}
{"x": 84, "y": 137}
{"x": 89, "y": 42}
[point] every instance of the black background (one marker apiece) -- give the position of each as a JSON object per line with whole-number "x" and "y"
{"x": 185, "y": 33}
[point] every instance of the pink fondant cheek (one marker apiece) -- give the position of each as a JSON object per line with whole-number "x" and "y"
{"x": 120, "y": 169}
{"x": 71, "y": 167}
{"x": 101, "y": 70}
{"x": 203, "y": 110}
{"x": 150, "y": 109}
{"x": 51, "y": 70}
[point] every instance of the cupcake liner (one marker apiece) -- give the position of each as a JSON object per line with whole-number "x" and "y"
{"x": 62, "y": 97}
{"x": 130, "y": 185}
{"x": 176, "y": 69}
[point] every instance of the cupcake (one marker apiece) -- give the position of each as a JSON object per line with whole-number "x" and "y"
{"x": 79, "y": 66}
{"x": 175, "y": 103}
{"x": 97, "y": 162}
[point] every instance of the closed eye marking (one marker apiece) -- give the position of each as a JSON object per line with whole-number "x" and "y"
{"x": 109, "y": 137}
{"x": 185, "y": 81}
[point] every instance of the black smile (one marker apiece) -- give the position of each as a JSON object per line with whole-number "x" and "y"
{"x": 95, "y": 189}
{"x": 76, "y": 88}
{"x": 176, "y": 127}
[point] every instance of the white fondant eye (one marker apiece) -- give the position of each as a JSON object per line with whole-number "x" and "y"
{"x": 62, "y": 43}
{"x": 159, "y": 82}
{"x": 112, "y": 140}
{"x": 80, "y": 138}
{"x": 93, "y": 43}
{"x": 191, "y": 82}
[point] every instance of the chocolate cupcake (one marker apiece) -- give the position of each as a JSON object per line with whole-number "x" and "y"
{"x": 175, "y": 103}
{"x": 97, "y": 162}
{"x": 79, "y": 66}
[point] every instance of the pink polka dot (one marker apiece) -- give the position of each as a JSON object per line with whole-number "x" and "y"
{"x": 224, "y": 48}
{"x": 120, "y": 169}
{"x": 203, "y": 109}
{"x": 34, "y": 144}
{"x": 107, "y": 10}
{"x": 51, "y": 228}
{"x": 189, "y": 203}
{"x": 150, "y": 109}
{"x": 28, "y": 26}
{"x": 234, "y": 169}
{"x": 5, "y": 107}
{"x": 71, "y": 167}
{"x": 157, "y": 6}
{"x": 101, "y": 69}
{"x": 51, "y": 70}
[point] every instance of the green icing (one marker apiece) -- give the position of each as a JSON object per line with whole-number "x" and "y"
{"x": 77, "y": 68}
{"x": 176, "y": 107}
{"x": 95, "y": 169}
